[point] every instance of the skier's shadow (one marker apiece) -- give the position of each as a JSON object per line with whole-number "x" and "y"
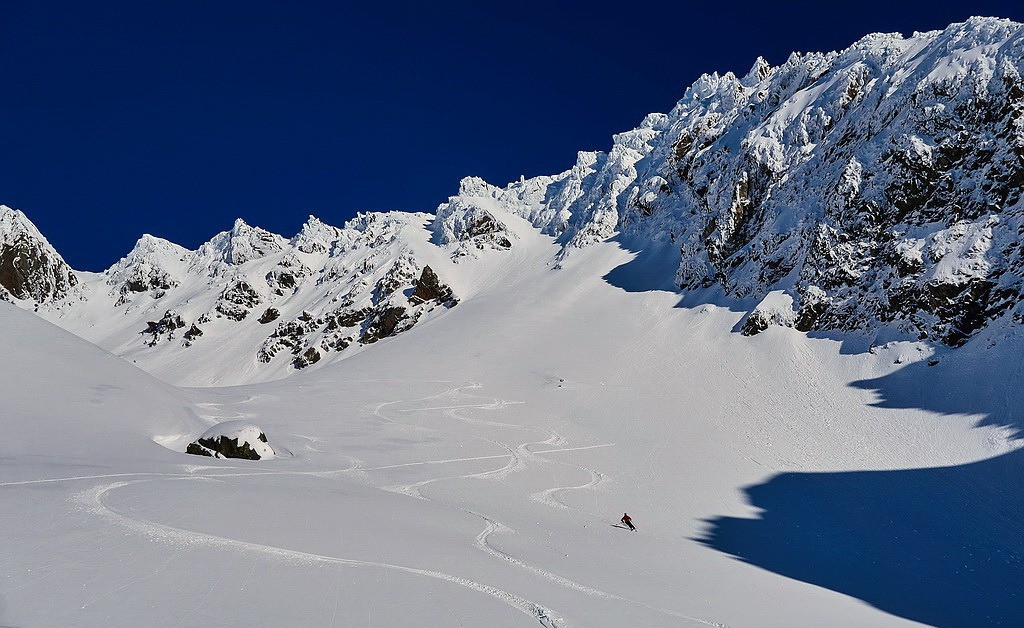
{"x": 621, "y": 527}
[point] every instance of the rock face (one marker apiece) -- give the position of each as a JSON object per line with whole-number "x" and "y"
{"x": 232, "y": 439}
{"x": 165, "y": 328}
{"x": 469, "y": 221}
{"x": 30, "y": 269}
{"x": 153, "y": 266}
{"x": 880, "y": 187}
{"x": 430, "y": 288}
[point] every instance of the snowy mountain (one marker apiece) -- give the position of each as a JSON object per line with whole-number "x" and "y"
{"x": 471, "y": 470}
{"x": 485, "y": 392}
{"x": 248, "y": 305}
{"x": 874, "y": 190}
{"x": 877, "y": 188}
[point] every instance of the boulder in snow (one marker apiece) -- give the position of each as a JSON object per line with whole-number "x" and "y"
{"x": 232, "y": 439}
{"x": 774, "y": 309}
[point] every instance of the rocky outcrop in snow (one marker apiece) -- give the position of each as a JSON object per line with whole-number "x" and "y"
{"x": 153, "y": 265}
{"x": 232, "y": 439}
{"x": 429, "y": 288}
{"x": 468, "y": 220}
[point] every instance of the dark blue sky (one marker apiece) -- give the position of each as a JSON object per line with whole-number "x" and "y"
{"x": 123, "y": 118}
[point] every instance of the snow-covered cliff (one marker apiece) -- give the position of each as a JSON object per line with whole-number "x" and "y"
{"x": 876, "y": 190}
{"x": 878, "y": 187}
{"x": 30, "y": 269}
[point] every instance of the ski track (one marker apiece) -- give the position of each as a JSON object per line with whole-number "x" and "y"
{"x": 93, "y": 501}
{"x": 518, "y": 457}
{"x": 548, "y": 496}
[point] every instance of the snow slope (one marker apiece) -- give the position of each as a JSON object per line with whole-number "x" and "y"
{"x": 471, "y": 471}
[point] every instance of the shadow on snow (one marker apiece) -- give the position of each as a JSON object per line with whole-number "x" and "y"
{"x": 653, "y": 268}
{"x": 942, "y": 546}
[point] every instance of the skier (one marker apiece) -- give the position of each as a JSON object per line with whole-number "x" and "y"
{"x": 629, "y": 522}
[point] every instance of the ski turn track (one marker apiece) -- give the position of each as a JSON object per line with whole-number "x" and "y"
{"x": 518, "y": 457}
{"x": 93, "y": 501}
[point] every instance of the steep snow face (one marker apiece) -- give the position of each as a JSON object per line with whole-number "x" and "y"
{"x": 316, "y": 237}
{"x": 30, "y": 269}
{"x": 879, "y": 187}
{"x": 238, "y": 246}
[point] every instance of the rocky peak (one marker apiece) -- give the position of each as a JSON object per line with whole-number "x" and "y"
{"x": 758, "y": 72}
{"x": 153, "y": 264}
{"x": 316, "y": 237}
{"x": 876, "y": 187}
{"x": 243, "y": 243}
{"x": 30, "y": 268}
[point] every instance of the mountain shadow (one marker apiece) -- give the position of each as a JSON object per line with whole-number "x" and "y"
{"x": 653, "y": 268}
{"x": 943, "y": 546}
{"x": 982, "y": 378}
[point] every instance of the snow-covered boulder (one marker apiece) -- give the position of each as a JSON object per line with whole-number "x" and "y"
{"x": 232, "y": 439}
{"x": 774, "y": 309}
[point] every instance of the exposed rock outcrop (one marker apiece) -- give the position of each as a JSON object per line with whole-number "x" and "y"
{"x": 164, "y": 328}
{"x": 232, "y": 439}
{"x": 30, "y": 269}
{"x": 430, "y": 288}
{"x": 384, "y": 323}
{"x": 237, "y": 300}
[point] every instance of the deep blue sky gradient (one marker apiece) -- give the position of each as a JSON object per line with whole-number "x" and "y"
{"x": 122, "y": 118}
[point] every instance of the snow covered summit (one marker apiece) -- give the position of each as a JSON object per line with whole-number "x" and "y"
{"x": 875, "y": 191}
{"x": 248, "y": 304}
{"x": 879, "y": 187}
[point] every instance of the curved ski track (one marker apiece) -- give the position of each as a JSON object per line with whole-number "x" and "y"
{"x": 518, "y": 457}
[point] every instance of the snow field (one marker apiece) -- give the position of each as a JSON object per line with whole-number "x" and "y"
{"x": 466, "y": 472}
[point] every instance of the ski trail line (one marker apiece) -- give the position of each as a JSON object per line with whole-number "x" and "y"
{"x": 518, "y": 458}
{"x": 93, "y": 500}
{"x": 482, "y": 543}
{"x": 548, "y": 496}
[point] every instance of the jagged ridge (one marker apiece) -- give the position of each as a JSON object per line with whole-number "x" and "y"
{"x": 875, "y": 190}
{"x": 878, "y": 187}
{"x": 252, "y": 304}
